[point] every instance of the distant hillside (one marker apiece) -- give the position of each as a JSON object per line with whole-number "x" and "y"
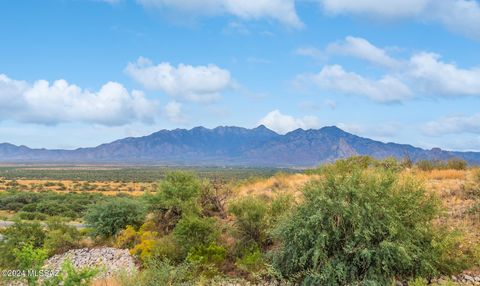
{"x": 230, "y": 146}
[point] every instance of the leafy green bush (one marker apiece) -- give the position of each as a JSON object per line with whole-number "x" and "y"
{"x": 16, "y": 237}
{"x": 27, "y": 258}
{"x": 31, "y": 216}
{"x": 15, "y": 201}
{"x": 179, "y": 190}
{"x": 251, "y": 261}
{"x": 418, "y": 282}
{"x": 280, "y": 207}
{"x": 108, "y": 218}
{"x": 193, "y": 231}
{"x": 166, "y": 248}
{"x": 178, "y": 195}
{"x": 251, "y": 219}
{"x": 71, "y": 276}
{"x": 60, "y": 237}
{"x": 212, "y": 254}
{"x": 359, "y": 227}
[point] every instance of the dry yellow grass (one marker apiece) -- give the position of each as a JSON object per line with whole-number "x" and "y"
{"x": 107, "y": 188}
{"x": 444, "y": 174}
{"x": 106, "y": 282}
{"x": 273, "y": 186}
{"x": 5, "y": 215}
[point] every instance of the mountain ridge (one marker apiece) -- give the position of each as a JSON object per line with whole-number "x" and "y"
{"x": 230, "y": 146}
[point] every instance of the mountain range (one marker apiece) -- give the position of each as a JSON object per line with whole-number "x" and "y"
{"x": 230, "y": 146}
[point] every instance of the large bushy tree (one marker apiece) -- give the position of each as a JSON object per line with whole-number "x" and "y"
{"x": 362, "y": 226}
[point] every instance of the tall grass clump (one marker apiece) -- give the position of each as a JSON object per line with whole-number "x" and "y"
{"x": 389, "y": 164}
{"x": 451, "y": 164}
{"x": 477, "y": 175}
{"x": 360, "y": 226}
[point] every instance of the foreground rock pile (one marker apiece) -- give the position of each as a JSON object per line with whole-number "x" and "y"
{"x": 461, "y": 279}
{"x": 108, "y": 260}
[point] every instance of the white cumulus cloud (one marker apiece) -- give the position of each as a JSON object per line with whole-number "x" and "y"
{"x": 282, "y": 11}
{"x": 60, "y": 102}
{"x": 193, "y": 83}
{"x": 173, "y": 112}
{"x": 379, "y": 8}
{"x": 461, "y": 16}
{"x": 282, "y": 123}
{"x": 423, "y": 74}
{"x": 436, "y": 76}
{"x": 334, "y": 77}
{"x": 362, "y": 49}
{"x": 453, "y": 125}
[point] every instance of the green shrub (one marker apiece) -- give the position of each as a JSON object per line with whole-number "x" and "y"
{"x": 193, "y": 231}
{"x": 53, "y": 208}
{"x": 212, "y": 254}
{"x": 108, "y": 218}
{"x": 15, "y": 201}
{"x": 418, "y": 282}
{"x": 31, "y": 216}
{"x": 456, "y": 164}
{"x": 452, "y": 254}
{"x": 252, "y": 220}
{"x": 390, "y": 164}
{"x": 27, "y": 258}
{"x": 179, "y": 190}
{"x": 71, "y": 276}
{"x": 71, "y": 205}
{"x": 426, "y": 165}
{"x": 344, "y": 165}
{"x": 166, "y": 248}
{"x": 359, "y": 227}
{"x": 178, "y": 195}
{"x": 213, "y": 198}
{"x": 251, "y": 261}
{"x": 429, "y": 165}
{"x": 162, "y": 272}
{"x": 362, "y": 163}
{"x": 16, "y": 237}
{"x": 60, "y": 237}
{"x": 279, "y": 207}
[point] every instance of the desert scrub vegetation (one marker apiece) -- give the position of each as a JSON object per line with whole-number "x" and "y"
{"x": 451, "y": 164}
{"x": 128, "y": 174}
{"x": 358, "y": 221}
{"x": 368, "y": 228}
{"x": 43, "y": 205}
{"x": 109, "y": 217}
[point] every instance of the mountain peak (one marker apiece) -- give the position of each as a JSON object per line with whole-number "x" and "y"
{"x": 230, "y": 146}
{"x": 264, "y": 129}
{"x": 332, "y": 129}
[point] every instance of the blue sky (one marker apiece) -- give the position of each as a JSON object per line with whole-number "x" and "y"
{"x": 76, "y": 73}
